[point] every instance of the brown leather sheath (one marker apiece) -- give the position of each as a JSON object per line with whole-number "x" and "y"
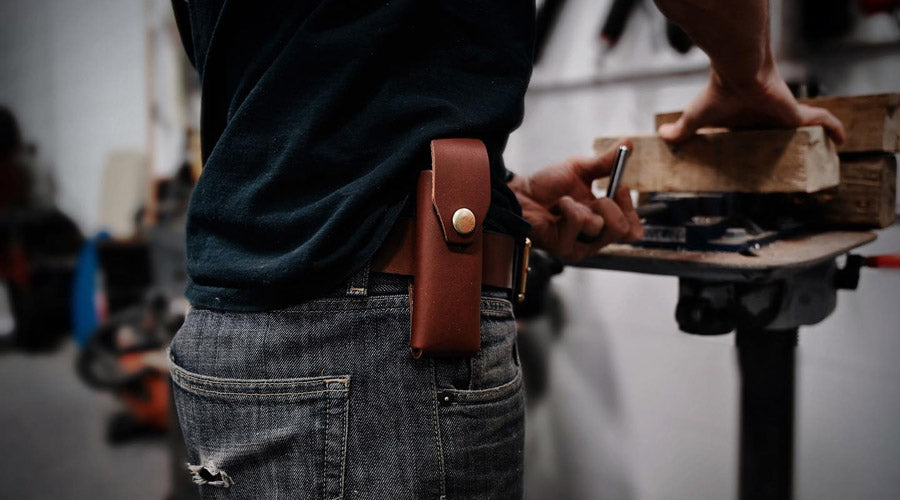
{"x": 446, "y": 293}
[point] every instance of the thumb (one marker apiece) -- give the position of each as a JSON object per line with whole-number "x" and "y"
{"x": 810, "y": 115}
{"x": 680, "y": 130}
{"x": 589, "y": 169}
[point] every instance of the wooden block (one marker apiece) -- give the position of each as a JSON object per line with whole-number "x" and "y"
{"x": 867, "y": 194}
{"x": 871, "y": 122}
{"x": 755, "y": 161}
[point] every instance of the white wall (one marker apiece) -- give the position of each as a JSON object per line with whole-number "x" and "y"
{"x": 636, "y": 409}
{"x": 73, "y": 73}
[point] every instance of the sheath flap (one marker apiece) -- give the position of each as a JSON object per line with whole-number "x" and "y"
{"x": 462, "y": 180}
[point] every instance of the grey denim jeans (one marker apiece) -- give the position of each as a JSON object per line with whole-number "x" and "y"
{"x": 324, "y": 400}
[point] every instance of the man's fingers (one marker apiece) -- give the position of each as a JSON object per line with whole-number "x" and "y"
{"x": 616, "y": 224}
{"x": 577, "y": 220}
{"x": 590, "y": 168}
{"x": 698, "y": 114}
{"x": 623, "y": 200}
{"x": 570, "y": 222}
{"x": 672, "y": 132}
{"x": 687, "y": 124}
{"x": 681, "y": 130}
{"x": 705, "y": 110}
{"x": 810, "y": 115}
{"x": 593, "y": 224}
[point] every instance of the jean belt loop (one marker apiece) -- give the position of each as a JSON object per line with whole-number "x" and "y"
{"x": 358, "y": 286}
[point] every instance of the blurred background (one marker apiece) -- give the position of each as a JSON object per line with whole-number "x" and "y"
{"x": 98, "y": 154}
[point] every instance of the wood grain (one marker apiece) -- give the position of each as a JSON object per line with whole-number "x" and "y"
{"x": 871, "y": 122}
{"x": 867, "y": 194}
{"x": 761, "y": 161}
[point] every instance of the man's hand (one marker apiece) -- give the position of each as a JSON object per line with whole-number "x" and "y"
{"x": 764, "y": 103}
{"x": 745, "y": 89}
{"x": 559, "y": 204}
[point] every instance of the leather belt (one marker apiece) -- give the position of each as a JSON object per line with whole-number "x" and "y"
{"x": 503, "y": 266}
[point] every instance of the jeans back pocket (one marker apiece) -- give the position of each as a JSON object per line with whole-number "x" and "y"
{"x": 249, "y": 436}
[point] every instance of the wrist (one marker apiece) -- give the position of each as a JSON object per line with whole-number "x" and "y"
{"x": 756, "y": 79}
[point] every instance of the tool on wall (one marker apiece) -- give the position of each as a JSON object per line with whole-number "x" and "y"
{"x": 545, "y": 21}
{"x": 616, "y": 20}
{"x": 678, "y": 39}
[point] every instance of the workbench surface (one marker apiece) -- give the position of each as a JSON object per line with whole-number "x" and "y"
{"x": 775, "y": 260}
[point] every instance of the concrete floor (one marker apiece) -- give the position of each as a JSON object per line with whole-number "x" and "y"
{"x": 52, "y": 442}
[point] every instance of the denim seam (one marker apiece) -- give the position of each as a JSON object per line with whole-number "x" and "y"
{"x": 190, "y": 387}
{"x": 344, "y": 299}
{"x": 359, "y": 283}
{"x": 344, "y": 446}
{"x": 485, "y": 310}
{"x": 437, "y": 431}
{"x": 362, "y": 308}
{"x": 179, "y": 379}
{"x": 489, "y": 305}
{"x": 497, "y": 304}
{"x": 249, "y": 383}
{"x": 267, "y": 334}
{"x": 377, "y": 298}
{"x": 325, "y": 447}
{"x": 241, "y": 384}
{"x": 357, "y": 302}
{"x": 179, "y": 372}
{"x": 485, "y": 395}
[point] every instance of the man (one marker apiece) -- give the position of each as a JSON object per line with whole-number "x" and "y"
{"x": 292, "y": 374}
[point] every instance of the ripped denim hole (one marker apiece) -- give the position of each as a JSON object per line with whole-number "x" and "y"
{"x": 209, "y": 474}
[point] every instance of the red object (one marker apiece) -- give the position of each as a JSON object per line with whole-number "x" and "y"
{"x": 152, "y": 407}
{"x": 14, "y": 264}
{"x": 887, "y": 260}
{"x": 870, "y": 7}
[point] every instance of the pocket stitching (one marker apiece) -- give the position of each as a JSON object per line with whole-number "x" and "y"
{"x": 334, "y": 434}
{"x": 191, "y": 387}
{"x": 494, "y": 304}
{"x": 325, "y": 448}
{"x": 180, "y": 372}
{"x": 344, "y": 447}
{"x": 461, "y": 396}
{"x": 189, "y": 381}
{"x": 255, "y": 383}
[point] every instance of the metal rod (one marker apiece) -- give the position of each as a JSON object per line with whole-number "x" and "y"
{"x": 618, "y": 170}
{"x": 615, "y": 178}
{"x": 766, "y": 359}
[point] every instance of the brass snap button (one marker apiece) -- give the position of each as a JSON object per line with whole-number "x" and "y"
{"x": 464, "y": 221}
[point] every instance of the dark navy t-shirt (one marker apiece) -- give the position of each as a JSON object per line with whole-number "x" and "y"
{"x": 316, "y": 119}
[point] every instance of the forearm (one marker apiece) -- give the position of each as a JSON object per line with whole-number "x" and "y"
{"x": 734, "y": 33}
